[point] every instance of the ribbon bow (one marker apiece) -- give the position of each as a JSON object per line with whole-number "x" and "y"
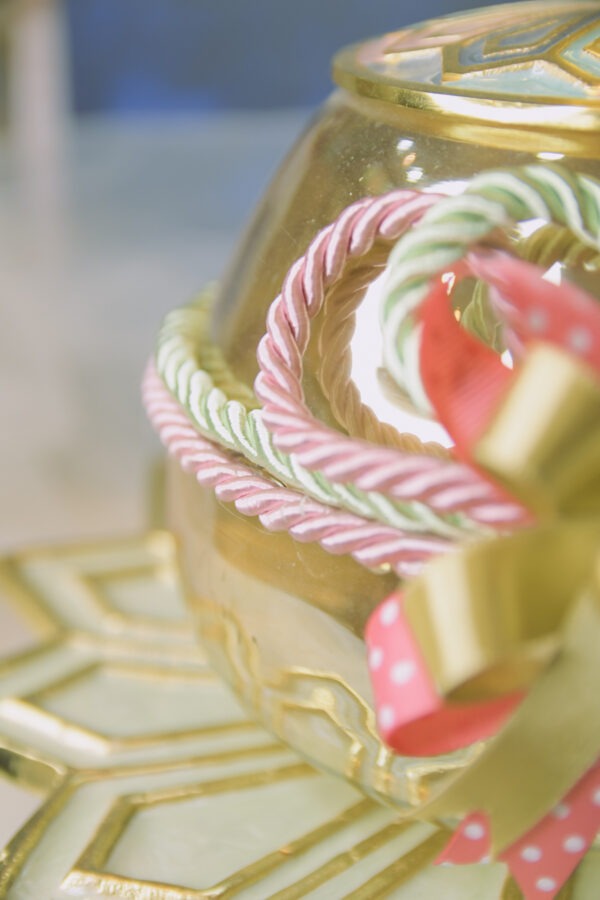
{"x": 502, "y": 637}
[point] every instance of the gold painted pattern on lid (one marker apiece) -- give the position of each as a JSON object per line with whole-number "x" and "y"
{"x": 531, "y": 64}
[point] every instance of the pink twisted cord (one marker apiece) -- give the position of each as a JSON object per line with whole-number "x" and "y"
{"x": 279, "y": 508}
{"x": 444, "y": 486}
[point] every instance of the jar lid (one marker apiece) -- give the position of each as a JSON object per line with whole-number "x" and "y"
{"x": 524, "y": 65}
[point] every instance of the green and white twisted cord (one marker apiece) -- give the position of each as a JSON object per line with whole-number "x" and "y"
{"x": 493, "y": 200}
{"x": 189, "y": 365}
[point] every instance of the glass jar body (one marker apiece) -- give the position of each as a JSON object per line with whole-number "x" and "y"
{"x": 283, "y": 621}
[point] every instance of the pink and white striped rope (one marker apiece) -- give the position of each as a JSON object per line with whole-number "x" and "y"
{"x": 444, "y": 486}
{"x": 279, "y": 508}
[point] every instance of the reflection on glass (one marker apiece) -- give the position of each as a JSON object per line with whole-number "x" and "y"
{"x": 368, "y": 374}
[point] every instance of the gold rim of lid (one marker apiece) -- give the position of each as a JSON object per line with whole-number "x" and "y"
{"x": 532, "y": 65}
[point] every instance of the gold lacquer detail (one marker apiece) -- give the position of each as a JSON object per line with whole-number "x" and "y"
{"x": 483, "y": 68}
{"x": 102, "y": 783}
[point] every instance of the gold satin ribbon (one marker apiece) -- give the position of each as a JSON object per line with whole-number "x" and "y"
{"x": 523, "y": 612}
{"x": 544, "y": 442}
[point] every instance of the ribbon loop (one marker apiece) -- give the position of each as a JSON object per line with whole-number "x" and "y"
{"x": 489, "y": 619}
{"x": 546, "y": 746}
{"x": 452, "y": 655}
{"x": 503, "y": 637}
{"x": 544, "y": 440}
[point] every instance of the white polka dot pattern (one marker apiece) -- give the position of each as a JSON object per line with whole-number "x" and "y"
{"x": 574, "y": 844}
{"x": 542, "y": 860}
{"x": 402, "y": 671}
{"x": 531, "y": 854}
{"x": 376, "y": 657}
{"x": 389, "y": 612}
{"x": 546, "y": 885}
{"x": 475, "y": 831}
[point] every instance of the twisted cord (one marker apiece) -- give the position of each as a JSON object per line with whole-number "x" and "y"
{"x": 493, "y": 200}
{"x": 442, "y": 485}
{"x": 185, "y": 332}
{"x": 335, "y": 364}
{"x": 185, "y": 360}
{"x": 553, "y": 243}
{"x": 486, "y": 314}
{"x": 278, "y": 508}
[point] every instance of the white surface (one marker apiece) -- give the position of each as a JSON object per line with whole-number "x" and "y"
{"x": 93, "y": 252}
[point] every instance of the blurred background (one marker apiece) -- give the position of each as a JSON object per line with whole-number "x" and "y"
{"x": 135, "y": 139}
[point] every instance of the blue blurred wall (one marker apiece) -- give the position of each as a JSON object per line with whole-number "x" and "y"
{"x": 137, "y": 56}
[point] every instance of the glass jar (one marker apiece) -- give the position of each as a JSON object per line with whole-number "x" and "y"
{"x": 427, "y": 107}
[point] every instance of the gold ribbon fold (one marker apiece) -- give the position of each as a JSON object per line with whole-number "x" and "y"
{"x": 523, "y": 611}
{"x": 544, "y": 441}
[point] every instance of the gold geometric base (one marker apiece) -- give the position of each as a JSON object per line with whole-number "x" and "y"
{"x": 132, "y": 772}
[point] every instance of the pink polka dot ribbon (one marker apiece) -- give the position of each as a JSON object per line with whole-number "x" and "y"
{"x": 466, "y": 383}
{"x": 543, "y": 859}
{"x": 537, "y": 310}
{"x": 411, "y": 715}
{"x": 464, "y": 379}
{"x": 414, "y": 720}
